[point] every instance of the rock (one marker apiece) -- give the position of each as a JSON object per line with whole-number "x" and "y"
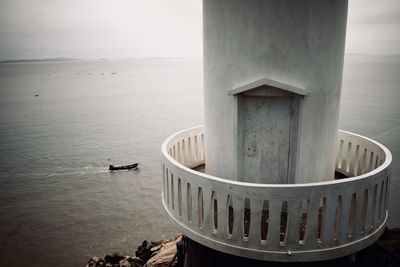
{"x": 153, "y": 249}
{"x": 114, "y": 258}
{"x": 124, "y": 263}
{"x": 153, "y": 254}
{"x": 92, "y": 262}
{"x": 131, "y": 262}
{"x": 145, "y": 251}
{"x": 96, "y": 262}
{"x": 166, "y": 254}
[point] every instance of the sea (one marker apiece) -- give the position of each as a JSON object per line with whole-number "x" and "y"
{"x": 63, "y": 123}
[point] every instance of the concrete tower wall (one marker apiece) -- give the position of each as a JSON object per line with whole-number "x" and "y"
{"x": 300, "y": 43}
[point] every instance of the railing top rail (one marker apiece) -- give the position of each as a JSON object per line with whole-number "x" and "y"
{"x": 385, "y": 164}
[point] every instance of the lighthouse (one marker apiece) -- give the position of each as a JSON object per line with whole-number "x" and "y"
{"x": 259, "y": 179}
{"x": 272, "y": 82}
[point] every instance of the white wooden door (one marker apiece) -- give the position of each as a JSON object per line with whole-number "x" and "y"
{"x": 264, "y": 131}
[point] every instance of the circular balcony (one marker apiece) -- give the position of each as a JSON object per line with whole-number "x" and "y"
{"x": 279, "y": 222}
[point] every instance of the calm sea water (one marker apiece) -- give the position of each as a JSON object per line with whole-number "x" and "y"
{"x": 58, "y": 203}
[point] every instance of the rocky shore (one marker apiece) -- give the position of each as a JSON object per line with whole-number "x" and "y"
{"x": 150, "y": 254}
{"x": 178, "y": 252}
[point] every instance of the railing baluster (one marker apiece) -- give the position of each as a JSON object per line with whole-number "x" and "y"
{"x": 311, "y": 237}
{"x": 348, "y": 157}
{"x": 196, "y": 209}
{"x": 364, "y": 211}
{"x": 189, "y": 204}
{"x": 201, "y": 150}
{"x": 369, "y": 216}
{"x": 329, "y": 220}
{"x": 222, "y": 231}
{"x": 189, "y": 154}
{"x": 167, "y": 182}
{"x": 339, "y": 159}
{"x": 184, "y": 200}
{"x": 173, "y": 195}
{"x": 273, "y": 236}
{"x": 293, "y": 233}
{"x": 184, "y": 158}
{"x": 357, "y": 214}
{"x": 255, "y": 219}
{"x": 238, "y": 208}
{"x": 202, "y": 204}
{"x": 371, "y": 160}
{"x": 363, "y": 168}
{"x": 196, "y": 149}
{"x": 356, "y": 161}
{"x": 344, "y": 218}
{"x": 381, "y": 191}
{"x": 208, "y": 213}
{"x": 179, "y": 197}
{"x": 164, "y": 181}
{"x": 387, "y": 191}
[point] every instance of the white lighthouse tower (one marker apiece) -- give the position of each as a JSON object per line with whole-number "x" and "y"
{"x": 258, "y": 180}
{"x": 272, "y": 81}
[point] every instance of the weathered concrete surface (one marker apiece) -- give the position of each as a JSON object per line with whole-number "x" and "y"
{"x": 225, "y": 215}
{"x": 294, "y": 42}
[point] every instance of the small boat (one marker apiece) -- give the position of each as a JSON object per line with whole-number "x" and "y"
{"x": 113, "y": 167}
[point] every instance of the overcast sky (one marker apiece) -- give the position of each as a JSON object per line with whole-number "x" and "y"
{"x": 146, "y": 28}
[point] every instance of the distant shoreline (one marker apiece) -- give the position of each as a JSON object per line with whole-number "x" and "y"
{"x": 68, "y": 59}
{"x": 32, "y": 60}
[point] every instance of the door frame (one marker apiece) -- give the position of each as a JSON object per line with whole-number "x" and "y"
{"x": 295, "y": 122}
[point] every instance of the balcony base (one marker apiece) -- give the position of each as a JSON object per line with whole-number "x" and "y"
{"x": 282, "y": 256}
{"x": 279, "y": 222}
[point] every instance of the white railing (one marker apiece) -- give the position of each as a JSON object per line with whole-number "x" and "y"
{"x": 279, "y": 222}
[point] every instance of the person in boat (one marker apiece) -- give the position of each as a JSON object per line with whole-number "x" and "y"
{"x": 113, "y": 167}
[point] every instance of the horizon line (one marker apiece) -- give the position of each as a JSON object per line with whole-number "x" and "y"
{"x": 68, "y": 58}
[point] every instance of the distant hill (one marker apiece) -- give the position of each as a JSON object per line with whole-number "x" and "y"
{"x": 53, "y": 59}
{"x": 371, "y": 58}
